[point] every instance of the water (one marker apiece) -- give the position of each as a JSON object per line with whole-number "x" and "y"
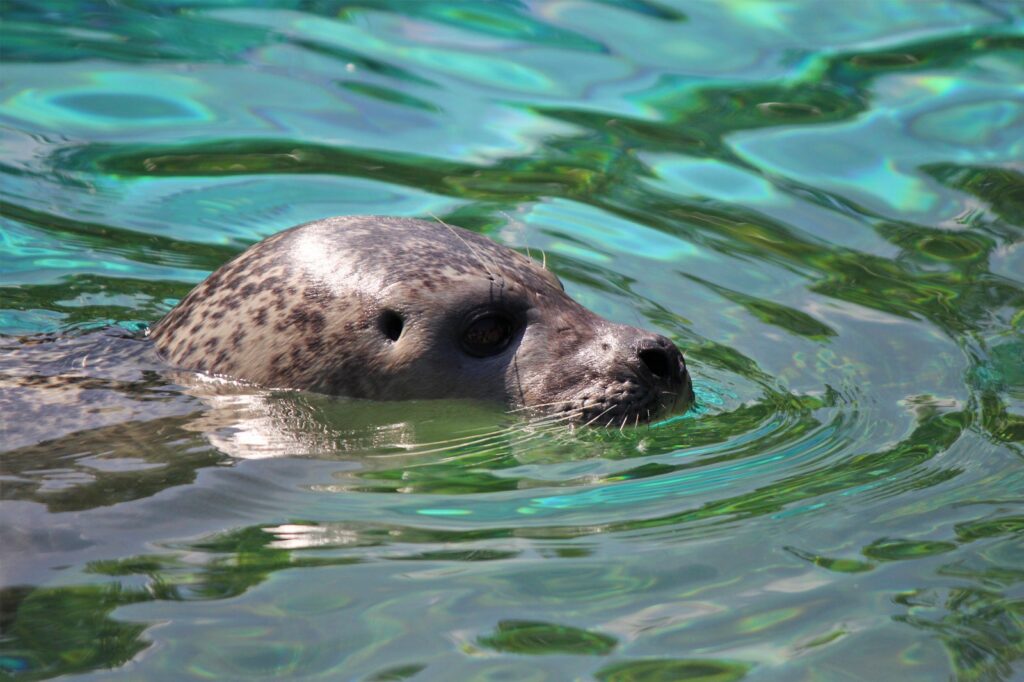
{"x": 822, "y": 203}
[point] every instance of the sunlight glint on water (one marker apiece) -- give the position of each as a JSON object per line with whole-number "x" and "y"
{"x": 821, "y": 203}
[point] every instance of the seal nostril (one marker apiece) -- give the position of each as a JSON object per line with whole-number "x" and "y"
{"x": 656, "y": 360}
{"x": 391, "y": 324}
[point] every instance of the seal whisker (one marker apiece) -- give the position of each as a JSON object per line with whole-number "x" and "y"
{"x": 454, "y": 443}
{"x": 539, "y": 425}
{"x": 468, "y": 441}
{"x": 519, "y": 378}
{"x": 546, "y": 421}
{"x": 511, "y": 220}
{"x": 570, "y": 414}
{"x": 566, "y": 415}
{"x": 462, "y": 441}
{"x": 499, "y": 448}
{"x": 494, "y": 276}
{"x": 553, "y": 419}
{"x": 533, "y": 407}
{"x": 600, "y": 415}
{"x": 454, "y": 456}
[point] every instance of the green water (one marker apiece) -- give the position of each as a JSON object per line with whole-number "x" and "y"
{"x": 821, "y": 202}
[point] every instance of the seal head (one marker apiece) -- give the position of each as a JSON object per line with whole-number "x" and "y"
{"x": 395, "y": 308}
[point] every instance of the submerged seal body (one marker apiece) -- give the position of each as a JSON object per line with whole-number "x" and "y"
{"x": 393, "y": 308}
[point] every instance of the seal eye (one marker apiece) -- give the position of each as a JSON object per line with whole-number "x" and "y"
{"x": 487, "y": 335}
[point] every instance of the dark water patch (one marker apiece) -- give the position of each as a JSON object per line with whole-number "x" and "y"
{"x": 894, "y": 549}
{"x": 539, "y": 638}
{"x": 929, "y": 54}
{"x": 974, "y": 530}
{"x": 697, "y": 124}
{"x": 246, "y": 157}
{"x": 154, "y": 33}
{"x": 68, "y": 630}
{"x": 390, "y": 95}
{"x": 361, "y": 62}
{"x": 656, "y": 10}
{"x": 980, "y": 629}
{"x": 153, "y": 249}
{"x": 397, "y": 673}
{"x": 769, "y": 312}
{"x": 832, "y": 564}
{"x": 1001, "y": 424}
{"x": 63, "y": 473}
{"x": 1000, "y": 188}
{"x": 92, "y": 300}
{"x": 461, "y": 555}
{"x": 884, "y": 60}
{"x": 234, "y": 563}
{"x": 663, "y": 670}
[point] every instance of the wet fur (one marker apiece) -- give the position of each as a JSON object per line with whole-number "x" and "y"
{"x": 302, "y": 310}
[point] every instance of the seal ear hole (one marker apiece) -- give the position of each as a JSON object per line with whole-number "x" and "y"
{"x": 391, "y": 324}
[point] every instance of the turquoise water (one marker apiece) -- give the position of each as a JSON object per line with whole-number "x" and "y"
{"x": 822, "y": 203}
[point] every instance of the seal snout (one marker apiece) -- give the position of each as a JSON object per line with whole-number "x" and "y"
{"x": 662, "y": 368}
{"x": 643, "y": 377}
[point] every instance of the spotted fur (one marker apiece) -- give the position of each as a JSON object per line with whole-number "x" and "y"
{"x": 303, "y": 309}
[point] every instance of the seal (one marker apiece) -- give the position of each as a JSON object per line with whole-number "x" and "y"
{"x": 396, "y": 309}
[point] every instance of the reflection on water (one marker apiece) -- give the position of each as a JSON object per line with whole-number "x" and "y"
{"x": 823, "y": 204}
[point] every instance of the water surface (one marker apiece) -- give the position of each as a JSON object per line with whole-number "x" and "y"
{"x": 822, "y": 203}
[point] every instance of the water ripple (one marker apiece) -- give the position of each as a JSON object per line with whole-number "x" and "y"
{"x": 820, "y": 203}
